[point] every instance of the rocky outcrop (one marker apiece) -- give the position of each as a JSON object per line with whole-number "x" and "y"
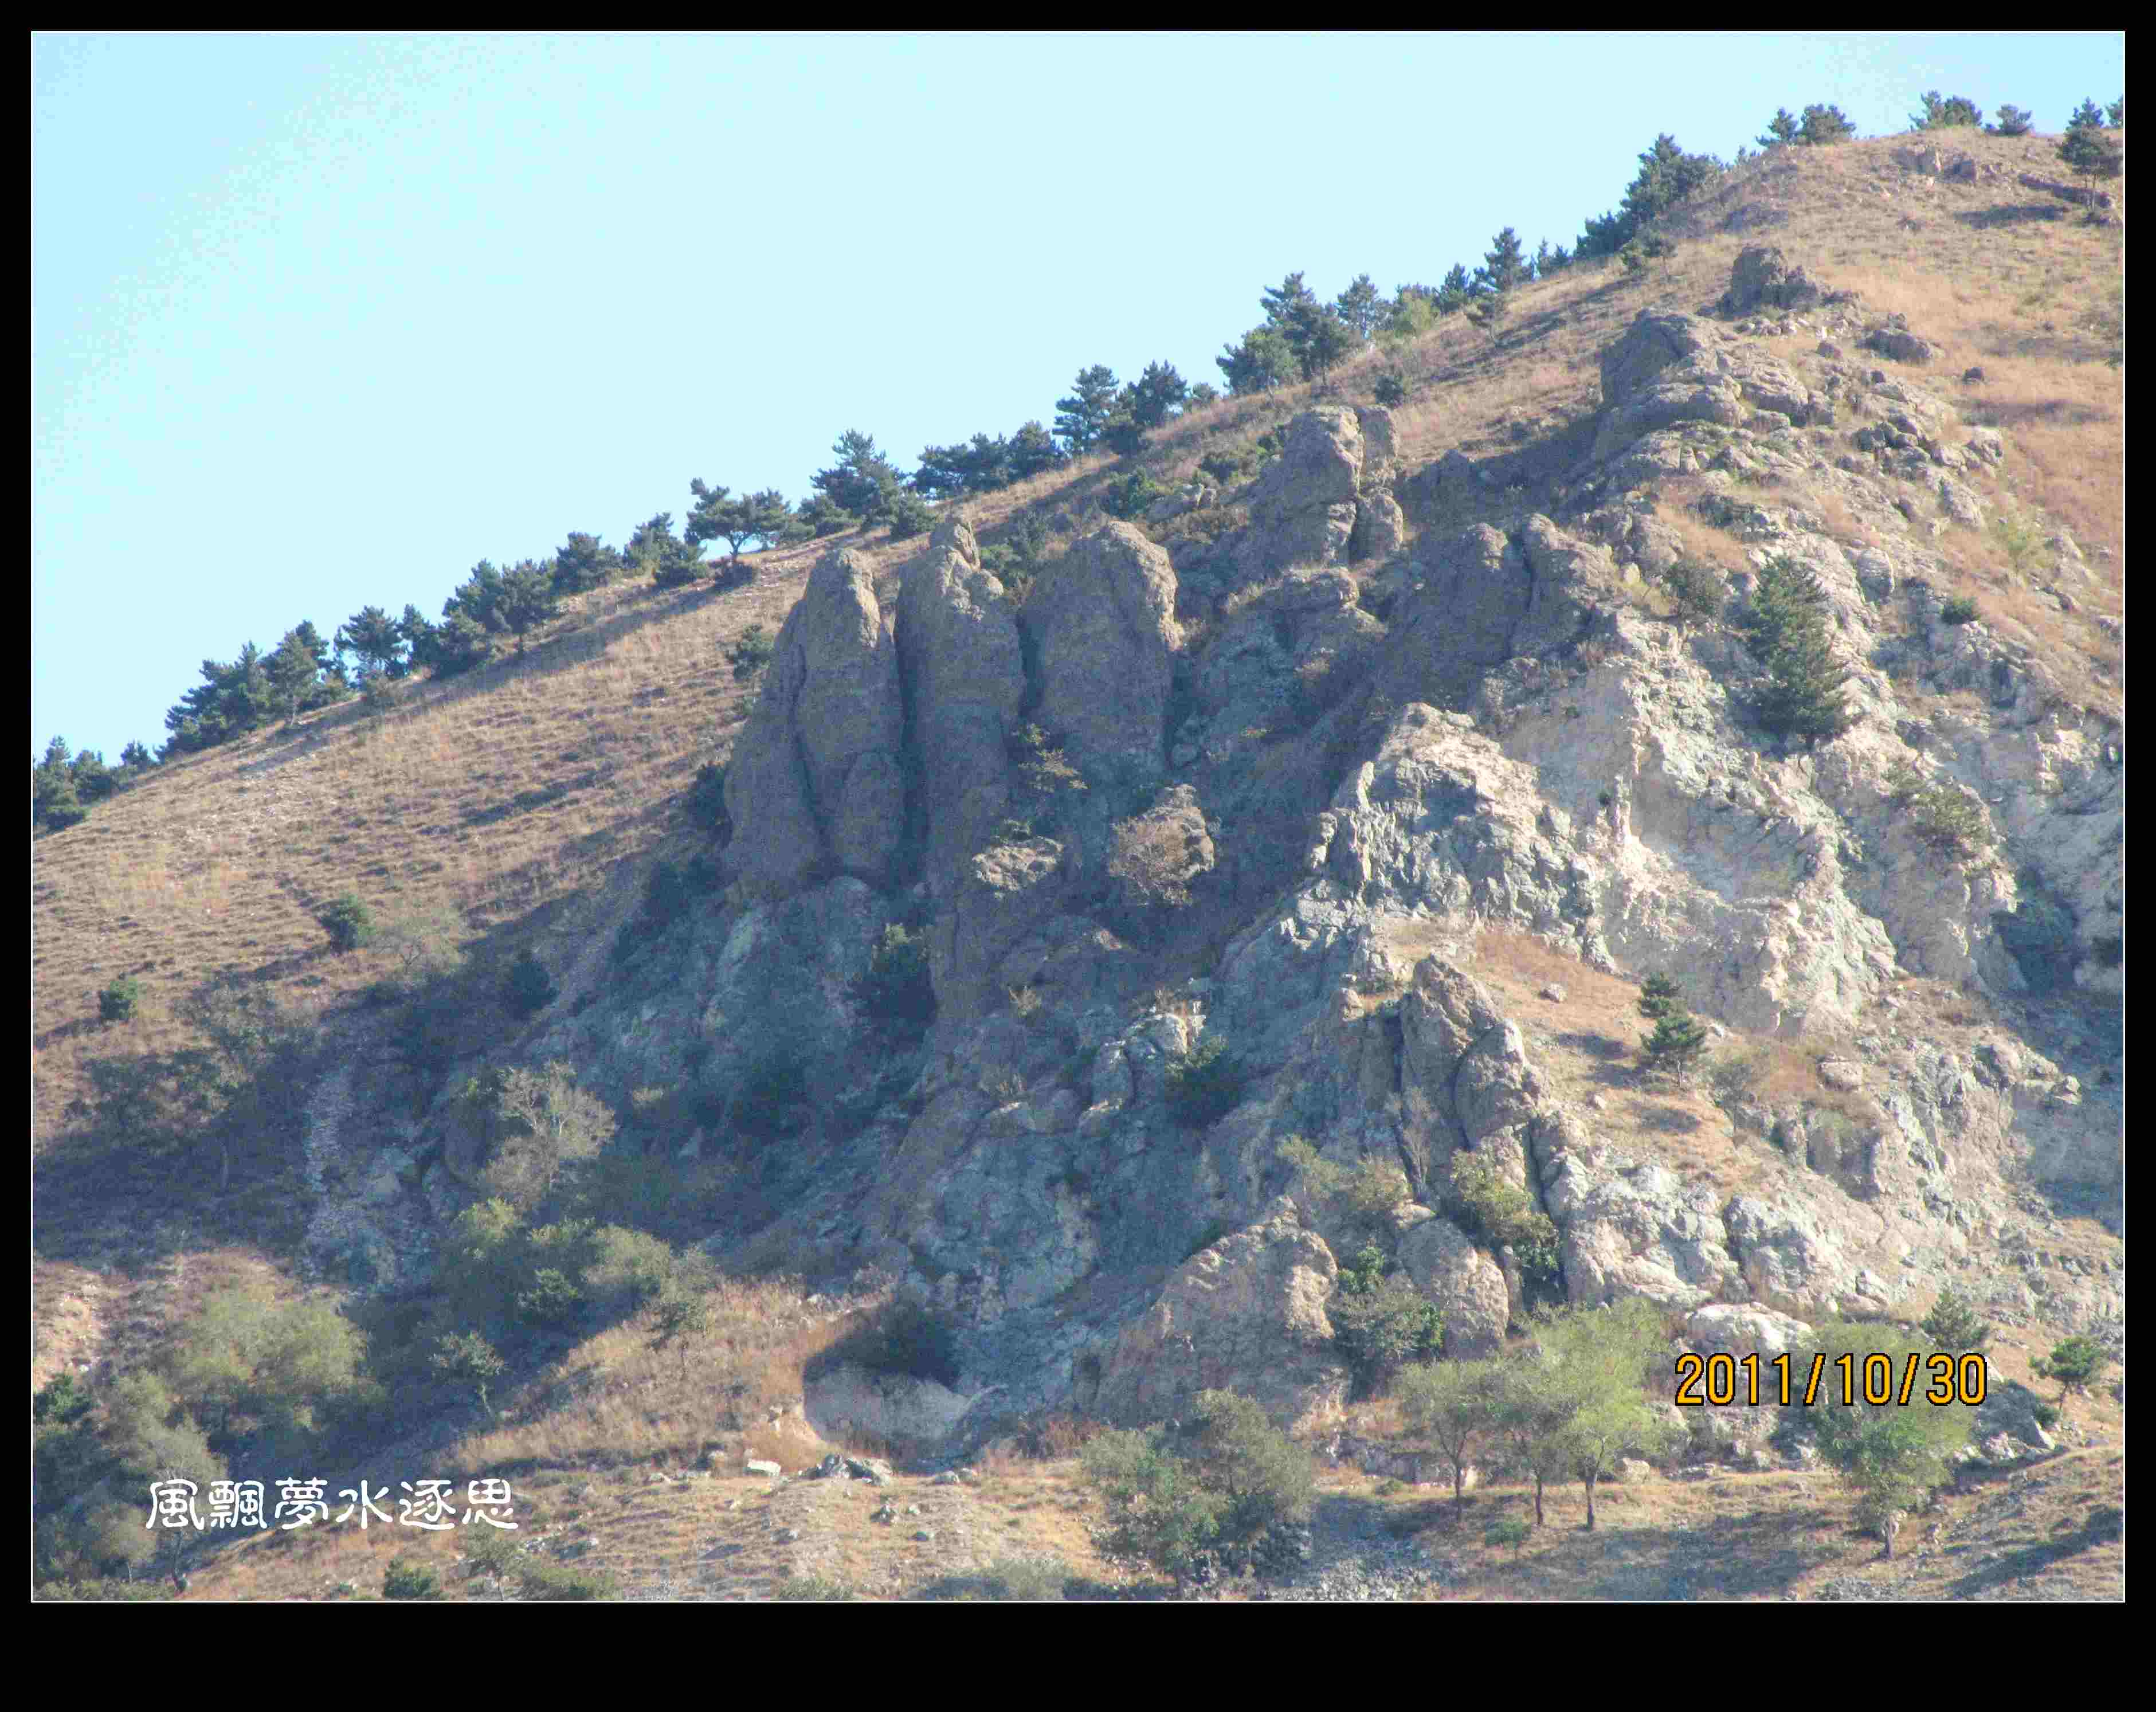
{"x": 1893, "y": 340}
{"x": 964, "y": 675}
{"x": 1668, "y": 383}
{"x": 1004, "y": 898}
{"x": 1276, "y": 665}
{"x": 1248, "y": 1314}
{"x": 1442, "y": 823}
{"x": 1762, "y": 278}
{"x": 1463, "y": 1283}
{"x": 815, "y": 783}
{"x": 1102, "y": 624}
{"x": 1326, "y": 499}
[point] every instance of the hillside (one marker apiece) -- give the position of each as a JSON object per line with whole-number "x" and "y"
{"x": 1392, "y": 764}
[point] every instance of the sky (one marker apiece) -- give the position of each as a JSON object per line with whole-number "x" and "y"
{"x": 320, "y": 321}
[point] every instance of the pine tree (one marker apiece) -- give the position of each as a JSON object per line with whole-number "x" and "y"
{"x": 1083, "y": 418}
{"x": 303, "y": 674}
{"x": 720, "y": 515}
{"x": 864, "y": 482}
{"x": 2013, "y": 121}
{"x": 1943, "y": 113}
{"x": 1667, "y": 174}
{"x": 1456, "y": 291}
{"x": 1659, "y": 995}
{"x": 1505, "y": 265}
{"x": 1825, "y": 124}
{"x": 2087, "y": 150}
{"x": 1360, "y": 306}
{"x": 1783, "y": 127}
{"x": 1787, "y": 628}
{"x": 1678, "y": 1042}
{"x": 1953, "y": 1326}
{"x": 1258, "y": 362}
{"x": 136, "y": 758}
{"x": 2074, "y": 1363}
{"x": 1158, "y": 394}
{"x": 584, "y": 564}
{"x": 653, "y": 546}
{"x": 1321, "y": 341}
{"x": 1318, "y": 337}
{"x": 54, "y": 803}
{"x": 1033, "y": 451}
{"x": 377, "y": 641}
{"x": 527, "y": 600}
{"x": 1287, "y": 302}
{"x": 2115, "y": 114}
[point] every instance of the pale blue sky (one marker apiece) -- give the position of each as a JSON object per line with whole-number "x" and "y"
{"x": 319, "y": 321}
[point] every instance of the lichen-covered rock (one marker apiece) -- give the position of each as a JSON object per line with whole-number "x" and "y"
{"x": 1761, "y": 277}
{"x": 1323, "y": 498}
{"x": 1247, "y": 1314}
{"x": 1103, "y": 623}
{"x": 1636, "y": 1229}
{"x": 1744, "y": 1328}
{"x": 1463, "y": 1283}
{"x": 1004, "y": 896}
{"x": 964, "y": 676}
{"x": 815, "y": 780}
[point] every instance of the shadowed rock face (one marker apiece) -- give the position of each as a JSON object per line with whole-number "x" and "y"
{"x": 815, "y": 780}
{"x": 1103, "y": 621}
{"x": 964, "y": 676}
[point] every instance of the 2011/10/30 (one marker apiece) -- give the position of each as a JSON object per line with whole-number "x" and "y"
{"x": 1714, "y": 1379}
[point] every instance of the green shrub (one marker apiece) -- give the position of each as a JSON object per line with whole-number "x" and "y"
{"x": 488, "y": 1551}
{"x": 1697, "y": 589}
{"x": 1026, "y": 1578}
{"x": 1381, "y": 1323}
{"x": 1232, "y": 465}
{"x": 627, "y": 1268}
{"x": 896, "y": 993}
{"x": 2074, "y": 1362}
{"x": 409, "y": 1578}
{"x": 117, "y": 1000}
{"x": 1959, "y": 609}
{"x": 555, "y": 1300}
{"x": 1512, "y": 1530}
{"x": 813, "y": 1588}
{"x": 1947, "y": 818}
{"x": 1129, "y": 496}
{"x": 542, "y": 1580}
{"x": 349, "y": 924}
{"x": 1391, "y": 390}
{"x": 754, "y": 651}
{"x": 1952, "y": 1325}
{"x": 910, "y": 515}
{"x": 1205, "y": 1084}
{"x": 707, "y": 800}
{"x": 528, "y": 988}
{"x": 1498, "y": 1212}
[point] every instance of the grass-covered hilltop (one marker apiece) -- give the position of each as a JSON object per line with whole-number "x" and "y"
{"x": 1314, "y": 983}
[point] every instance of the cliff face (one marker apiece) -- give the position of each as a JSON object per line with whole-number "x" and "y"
{"x": 1381, "y": 753}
